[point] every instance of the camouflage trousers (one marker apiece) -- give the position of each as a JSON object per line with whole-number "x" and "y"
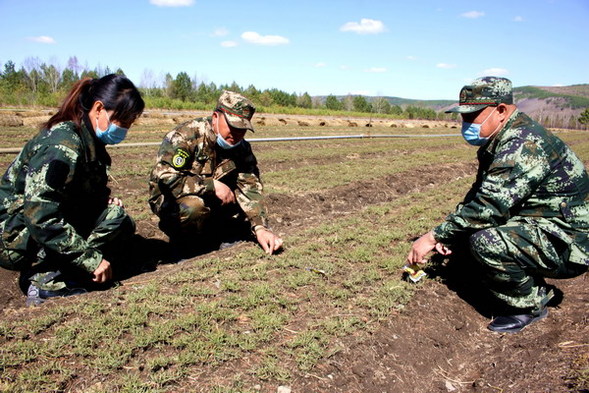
{"x": 516, "y": 257}
{"x": 189, "y": 213}
{"x": 192, "y": 214}
{"x": 41, "y": 267}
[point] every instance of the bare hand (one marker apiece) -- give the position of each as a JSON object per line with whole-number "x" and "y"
{"x": 443, "y": 249}
{"x": 268, "y": 240}
{"x": 115, "y": 201}
{"x": 103, "y": 272}
{"x": 223, "y": 192}
{"x": 421, "y": 247}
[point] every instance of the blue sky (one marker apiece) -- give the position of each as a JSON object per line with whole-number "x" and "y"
{"x": 413, "y": 49}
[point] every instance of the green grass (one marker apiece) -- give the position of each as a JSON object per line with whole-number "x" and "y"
{"x": 218, "y": 310}
{"x": 263, "y": 318}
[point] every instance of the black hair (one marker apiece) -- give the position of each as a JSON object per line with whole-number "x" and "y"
{"x": 116, "y": 92}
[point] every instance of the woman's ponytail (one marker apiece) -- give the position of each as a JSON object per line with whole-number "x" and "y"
{"x": 74, "y": 105}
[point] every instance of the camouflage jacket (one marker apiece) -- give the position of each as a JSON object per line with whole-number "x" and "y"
{"x": 55, "y": 189}
{"x": 526, "y": 173}
{"x": 189, "y": 160}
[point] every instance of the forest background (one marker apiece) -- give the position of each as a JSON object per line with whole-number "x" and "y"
{"x": 43, "y": 84}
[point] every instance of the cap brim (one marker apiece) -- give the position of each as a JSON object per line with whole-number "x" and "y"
{"x": 466, "y": 108}
{"x": 239, "y": 122}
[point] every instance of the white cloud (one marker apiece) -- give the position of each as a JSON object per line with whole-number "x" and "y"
{"x": 320, "y": 65}
{"x": 445, "y": 66}
{"x": 472, "y": 14}
{"x": 412, "y": 58}
{"x": 495, "y": 72}
{"x": 344, "y": 67}
{"x": 376, "y": 69}
{"x": 518, "y": 19}
{"x": 228, "y": 44}
{"x": 172, "y": 3}
{"x": 42, "y": 39}
{"x": 366, "y": 26}
{"x": 220, "y": 32}
{"x": 255, "y": 38}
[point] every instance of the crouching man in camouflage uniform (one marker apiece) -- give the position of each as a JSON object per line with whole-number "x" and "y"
{"x": 526, "y": 216}
{"x": 206, "y": 186}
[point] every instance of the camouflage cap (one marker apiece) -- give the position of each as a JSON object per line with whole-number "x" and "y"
{"x": 483, "y": 92}
{"x": 238, "y": 110}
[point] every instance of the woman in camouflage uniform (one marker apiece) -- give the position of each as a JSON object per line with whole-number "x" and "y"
{"x": 59, "y": 225}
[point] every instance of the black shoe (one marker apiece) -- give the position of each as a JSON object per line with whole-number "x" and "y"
{"x": 36, "y": 296}
{"x": 515, "y": 323}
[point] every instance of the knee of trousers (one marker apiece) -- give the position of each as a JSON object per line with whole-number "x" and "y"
{"x": 192, "y": 211}
{"x": 13, "y": 260}
{"x": 17, "y": 255}
{"x": 113, "y": 227}
{"x": 501, "y": 272}
{"x": 119, "y": 221}
{"x": 487, "y": 246}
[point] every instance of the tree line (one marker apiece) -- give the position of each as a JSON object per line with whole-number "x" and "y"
{"x": 39, "y": 83}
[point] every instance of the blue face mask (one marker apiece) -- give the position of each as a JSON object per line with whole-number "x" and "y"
{"x": 113, "y": 133}
{"x": 223, "y": 144}
{"x": 471, "y": 132}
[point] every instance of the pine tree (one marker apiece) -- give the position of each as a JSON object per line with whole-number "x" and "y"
{"x": 584, "y": 118}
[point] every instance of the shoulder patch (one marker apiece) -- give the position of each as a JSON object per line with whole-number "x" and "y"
{"x": 57, "y": 173}
{"x": 180, "y": 158}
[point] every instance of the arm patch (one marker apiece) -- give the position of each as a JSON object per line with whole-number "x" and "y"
{"x": 57, "y": 173}
{"x": 180, "y": 159}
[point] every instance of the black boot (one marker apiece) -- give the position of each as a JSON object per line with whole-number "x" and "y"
{"x": 515, "y": 323}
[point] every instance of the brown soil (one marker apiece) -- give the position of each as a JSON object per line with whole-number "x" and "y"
{"x": 439, "y": 343}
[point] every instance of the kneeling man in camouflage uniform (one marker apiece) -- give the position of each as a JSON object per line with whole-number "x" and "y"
{"x": 206, "y": 186}
{"x": 526, "y": 216}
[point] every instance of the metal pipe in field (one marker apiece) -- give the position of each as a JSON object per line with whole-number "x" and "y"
{"x": 16, "y": 150}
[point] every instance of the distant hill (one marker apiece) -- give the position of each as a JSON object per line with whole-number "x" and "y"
{"x": 554, "y": 106}
{"x": 577, "y": 95}
{"x": 402, "y": 102}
